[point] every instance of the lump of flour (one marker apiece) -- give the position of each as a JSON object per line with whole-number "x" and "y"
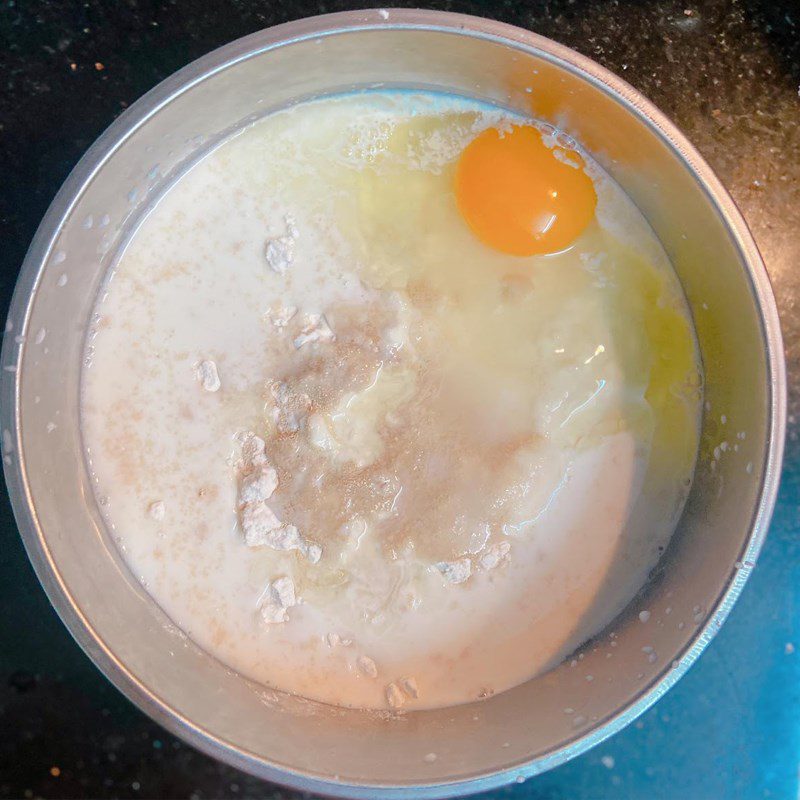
{"x": 290, "y": 408}
{"x": 279, "y": 250}
{"x": 398, "y": 692}
{"x": 367, "y": 666}
{"x": 278, "y": 596}
{"x": 208, "y": 375}
{"x": 495, "y": 554}
{"x": 262, "y": 528}
{"x": 257, "y": 485}
{"x": 260, "y": 524}
{"x": 394, "y": 697}
{"x": 315, "y": 329}
{"x": 280, "y": 316}
{"x": 455, "y": 571}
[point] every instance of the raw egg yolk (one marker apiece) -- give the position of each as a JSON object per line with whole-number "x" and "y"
{"x": 520, "y": 196}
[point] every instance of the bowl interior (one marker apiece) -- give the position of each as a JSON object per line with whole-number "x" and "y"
{"x": 518, "y": 732}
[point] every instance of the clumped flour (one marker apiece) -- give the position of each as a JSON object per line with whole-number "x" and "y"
{"x": 356, "y": 454}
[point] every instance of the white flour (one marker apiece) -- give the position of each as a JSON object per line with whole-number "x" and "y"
{"x": 208, "y": 376}
{"x": 279, "y": 251}
{"x": 278, "y": 597}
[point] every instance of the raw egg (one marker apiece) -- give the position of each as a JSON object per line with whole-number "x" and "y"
{"x": 520, "y": 196}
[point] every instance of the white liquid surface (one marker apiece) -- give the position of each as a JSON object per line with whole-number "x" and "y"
{"x": 474, "y": 408}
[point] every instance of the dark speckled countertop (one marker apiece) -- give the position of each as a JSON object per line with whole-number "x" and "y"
{"x": 728, "y": 72}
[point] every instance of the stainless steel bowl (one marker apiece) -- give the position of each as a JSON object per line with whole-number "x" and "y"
{"x": 523, "y": 731}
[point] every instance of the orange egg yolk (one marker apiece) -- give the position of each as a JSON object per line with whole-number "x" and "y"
{"x": 520, "y": 196}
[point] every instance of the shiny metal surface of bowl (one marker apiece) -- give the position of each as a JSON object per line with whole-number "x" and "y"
{"x": 337, "y": 751}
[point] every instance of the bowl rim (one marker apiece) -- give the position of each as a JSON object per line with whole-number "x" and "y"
{"x": 137, "y": 115}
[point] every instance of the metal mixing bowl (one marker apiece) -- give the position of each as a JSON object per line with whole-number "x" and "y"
{"x": 431, "y": 753}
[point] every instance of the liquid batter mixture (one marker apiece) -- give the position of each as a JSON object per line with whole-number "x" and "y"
{"x": 378, "y": 415}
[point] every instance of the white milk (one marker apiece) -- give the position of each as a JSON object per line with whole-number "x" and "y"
{"x": 469, "y": 461}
